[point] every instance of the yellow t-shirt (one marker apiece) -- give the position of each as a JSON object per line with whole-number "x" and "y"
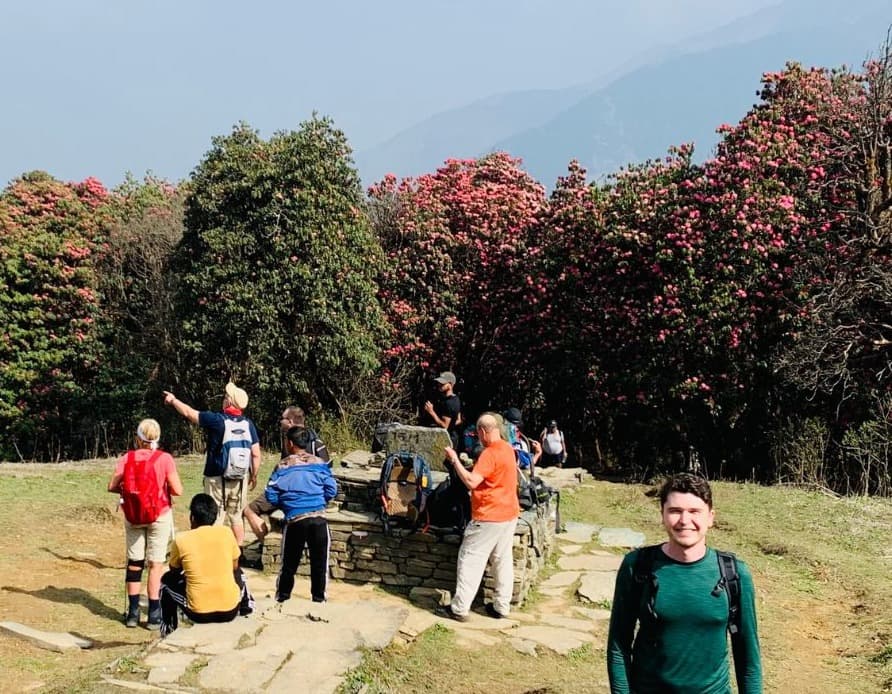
{"x": 206, "y": 556}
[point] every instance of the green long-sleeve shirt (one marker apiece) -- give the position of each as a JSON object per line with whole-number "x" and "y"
{"x": 688, "y": 651}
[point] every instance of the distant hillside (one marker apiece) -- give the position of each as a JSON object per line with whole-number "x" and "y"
{"x": 681, "y": 96}
{"x": 465, "y": 132}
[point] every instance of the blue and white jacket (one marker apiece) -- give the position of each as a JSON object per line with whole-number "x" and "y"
{"x": 301, "y": 487}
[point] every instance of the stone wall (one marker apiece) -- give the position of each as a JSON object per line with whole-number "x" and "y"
{"x": 362, "y": 551}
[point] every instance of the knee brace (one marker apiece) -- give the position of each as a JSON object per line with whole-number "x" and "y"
{"x": 135, "y": 575}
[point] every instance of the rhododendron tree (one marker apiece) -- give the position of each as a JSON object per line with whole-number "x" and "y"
{"x": 457, "y": 263}
{"x": 842, "y": 355}
{"x": 50, "y": 236}
{"x": 137, "y": 285}
{"x": 277, "y": 271}
{"x": 679, "y": 282}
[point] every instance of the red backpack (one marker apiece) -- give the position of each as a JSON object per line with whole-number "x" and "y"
{"x": 141, "y": 498}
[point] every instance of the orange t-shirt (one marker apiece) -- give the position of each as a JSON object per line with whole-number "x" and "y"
{"x": 495, "y": 499}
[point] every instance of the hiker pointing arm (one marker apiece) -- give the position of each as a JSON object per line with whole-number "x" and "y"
{"x": 182, "y": 408}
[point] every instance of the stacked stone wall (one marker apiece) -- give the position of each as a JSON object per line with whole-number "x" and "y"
{"x": 403, "y": 558}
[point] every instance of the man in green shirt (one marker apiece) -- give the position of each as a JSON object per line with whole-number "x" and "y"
{"x": 683, "y": 645}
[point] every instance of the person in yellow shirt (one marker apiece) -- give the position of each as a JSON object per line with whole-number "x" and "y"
{"x": 204, "y": 580}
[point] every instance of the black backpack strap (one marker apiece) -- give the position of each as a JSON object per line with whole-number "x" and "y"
{"x": 647, "y": 584}
{"x": 730, "y": 582}
{"x": 382, "y": 490}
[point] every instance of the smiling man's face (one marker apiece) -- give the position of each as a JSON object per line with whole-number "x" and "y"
{"x": 686, "y": 518}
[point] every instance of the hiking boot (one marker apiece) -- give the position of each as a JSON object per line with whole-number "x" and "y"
{"x": 493, "y": 612}
{"x": 246, "y": 563}
{"x": 449, "y": 614}
{"x": 131, "y": 619}
{"x": 154, "y": 621}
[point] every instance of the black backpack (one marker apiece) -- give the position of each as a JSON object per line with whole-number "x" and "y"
{"x": 647, "y": 584}
{"x": 532, "y": 491}
{"x": 449, "y": 504}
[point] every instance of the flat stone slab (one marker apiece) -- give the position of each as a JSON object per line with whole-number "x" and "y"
{"x": 578, "y": 533}
{"x": 313, "y": 670}
{"x": 570, "y": 549}
{"x": 212, "y": 639}
{"x": 367, "y": 624}
{"x": 352, "y": 517}
{"x": 524, "y": 646}
{"x": 561, "y": 641}
{"x": 562, "y": 478}
{"x": 572, "y": 623}
{"x": 562, "y": 579}
{"x": 357, "y": 459}
{"x": 590, "y": 562}
{"x": 430, "y": 597}
{"x": 427, "y": 441}
{"x": 58, "y": 641}
{"x": 596, "y": 614}
{"x": 597, "y": 586}
{"x": 479, "y": 621}
{"x": 620, "y": 537}
{"x": 245, "y": 670}
{"x": 418, "y": 621}
{"x": 168, "y": 667}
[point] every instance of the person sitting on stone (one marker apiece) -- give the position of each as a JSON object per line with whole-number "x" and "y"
{"x": 302, "y": 488}
{"x": 292, "y": 416}
{"x": 204, "y": 580}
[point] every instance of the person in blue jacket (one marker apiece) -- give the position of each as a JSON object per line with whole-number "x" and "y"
{"x": 302, "y": 485}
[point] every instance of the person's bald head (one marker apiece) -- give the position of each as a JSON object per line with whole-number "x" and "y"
{"x": 488, "y": 429}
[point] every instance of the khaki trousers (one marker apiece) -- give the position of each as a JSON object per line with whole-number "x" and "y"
{"x": 481, "y": 541}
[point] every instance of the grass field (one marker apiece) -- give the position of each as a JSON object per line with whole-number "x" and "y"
{"x": 821, "y": 566}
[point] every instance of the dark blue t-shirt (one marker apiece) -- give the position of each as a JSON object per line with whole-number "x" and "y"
{"x": 212, "y": 423}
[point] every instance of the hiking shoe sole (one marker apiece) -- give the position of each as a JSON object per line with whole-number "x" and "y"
{"x": 131, "y": 621}
{"x": 493, "y": 612}
{"x": 153, "y": 626}
{"x": 449, "y": 614}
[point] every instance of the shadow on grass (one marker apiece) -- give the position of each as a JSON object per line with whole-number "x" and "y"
{"x": 79, "y": 560}
{"x": 71, "y": 596}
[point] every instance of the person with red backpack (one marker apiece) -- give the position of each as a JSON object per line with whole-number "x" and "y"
{"x": 146, "y": 478}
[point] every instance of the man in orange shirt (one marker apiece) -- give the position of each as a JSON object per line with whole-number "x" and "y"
{"x": 494, "y": 512}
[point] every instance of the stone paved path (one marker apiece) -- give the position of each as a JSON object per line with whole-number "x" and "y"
{"x": 302, "y": 646}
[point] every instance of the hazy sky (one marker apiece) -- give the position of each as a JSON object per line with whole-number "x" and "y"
{"x": 101, "y": 87}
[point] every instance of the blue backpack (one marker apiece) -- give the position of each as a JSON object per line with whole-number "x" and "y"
{"x": 470, "y": 442}
{"x": 523, "y": 455}
{"x": 404, "y": 487}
